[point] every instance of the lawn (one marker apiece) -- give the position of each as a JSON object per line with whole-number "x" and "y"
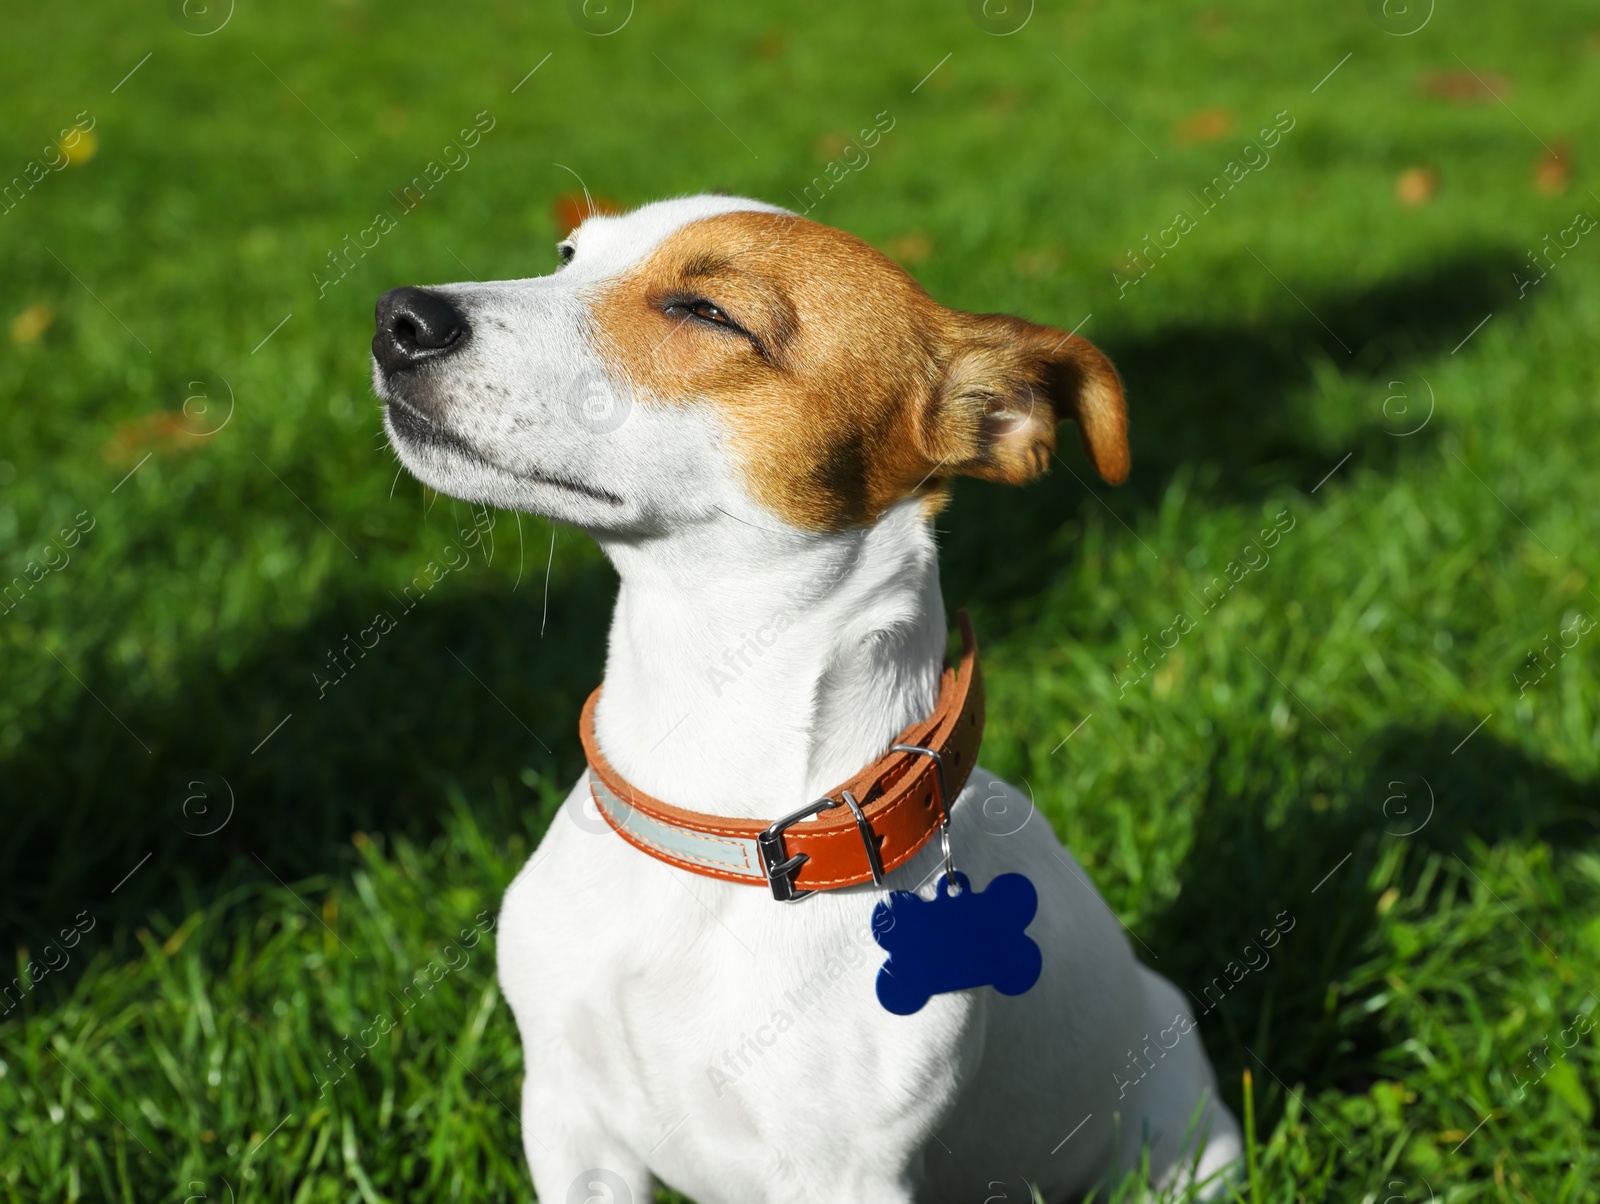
{"x": 1325, "y": 664}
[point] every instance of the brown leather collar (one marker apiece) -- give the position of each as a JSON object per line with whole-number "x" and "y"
{"x": 865, "y": 828}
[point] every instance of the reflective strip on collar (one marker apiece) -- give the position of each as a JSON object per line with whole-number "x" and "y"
{"x": 731, "y": 854}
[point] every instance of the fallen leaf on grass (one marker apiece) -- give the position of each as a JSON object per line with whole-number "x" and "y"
{"x": 1416, "y": 186}
{"x": 1553, "y": 171}
{"x": 910, "y": 248}
{"x": 32, "y": 322}
{"x": 571, "y": 208}
{"x": 1464, "y": 87}
{"x": 829, "y": 146}
{"x": 80, "y": 148}
{"x": 166, "y": 430}
{"x": 1205, "y": 126}
{"x": 1037, "y": 263}
{"x": 769, "y": 45}
{"x": 1001, "y": 101}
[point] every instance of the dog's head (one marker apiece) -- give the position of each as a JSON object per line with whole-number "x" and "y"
{"x": 711, "y": 352}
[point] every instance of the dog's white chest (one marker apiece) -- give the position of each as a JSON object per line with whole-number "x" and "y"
{"x": 700, "y": 1033}
{"x": 700, "y": 1019}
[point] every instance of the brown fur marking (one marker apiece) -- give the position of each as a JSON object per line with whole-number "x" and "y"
{"x": 849, "y": 388}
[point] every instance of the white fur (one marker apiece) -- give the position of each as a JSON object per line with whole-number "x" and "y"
{"x": 693, "y": 1031}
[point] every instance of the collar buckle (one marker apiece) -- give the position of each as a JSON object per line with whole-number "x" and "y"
{"x": 781, "y": 868}
{"x": 775, "y": 860}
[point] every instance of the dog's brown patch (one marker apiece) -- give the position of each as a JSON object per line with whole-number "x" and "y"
{"x": 845, "y": 386}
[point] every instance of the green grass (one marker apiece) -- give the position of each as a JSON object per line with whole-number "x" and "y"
{"x": 1280, "y": 757}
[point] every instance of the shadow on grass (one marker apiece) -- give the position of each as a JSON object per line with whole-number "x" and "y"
{"x": 1229, "y": 404}
{"x": 85, "y": 805}
{"x": 1278, "y": 839}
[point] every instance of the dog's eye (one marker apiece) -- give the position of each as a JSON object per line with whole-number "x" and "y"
{"x": 708, "y": 312}
{"x": 565, "y": 251}
{"x": 690, "y": 306}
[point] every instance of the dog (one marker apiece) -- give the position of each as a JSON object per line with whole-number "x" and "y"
{"x": 757, "y": 418}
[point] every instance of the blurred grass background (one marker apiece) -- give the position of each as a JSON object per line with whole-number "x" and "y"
{"x": 1311, "y": 348}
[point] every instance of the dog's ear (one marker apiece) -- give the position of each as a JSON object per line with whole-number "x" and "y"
{"x": 1005, "y": 385}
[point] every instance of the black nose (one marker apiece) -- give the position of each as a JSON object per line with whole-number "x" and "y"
{"x": 415, "y": 325}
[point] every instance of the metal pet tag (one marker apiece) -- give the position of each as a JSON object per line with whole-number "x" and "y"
{"x": 956, "y": 940}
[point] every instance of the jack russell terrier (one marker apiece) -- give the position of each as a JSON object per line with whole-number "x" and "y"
{"x": 757, "y": 417}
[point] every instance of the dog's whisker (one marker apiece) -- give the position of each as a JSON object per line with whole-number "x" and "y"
{"x": 753, "y": 526}
{"x": 518, "y": 515}
{"x": 549, "y": 564}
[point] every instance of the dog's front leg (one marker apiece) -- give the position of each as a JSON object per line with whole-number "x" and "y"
{"x": 576, "y": 1163}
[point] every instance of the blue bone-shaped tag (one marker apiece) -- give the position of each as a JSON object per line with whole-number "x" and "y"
{"x": 954, "y": 941}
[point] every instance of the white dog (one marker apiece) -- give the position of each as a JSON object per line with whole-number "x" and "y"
{"x": 756, "y": 417}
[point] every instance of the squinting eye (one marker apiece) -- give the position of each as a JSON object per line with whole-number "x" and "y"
{"x": 708, "y": 311}
{"x": 565, "y": 251}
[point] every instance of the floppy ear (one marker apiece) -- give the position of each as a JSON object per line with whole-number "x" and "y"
{"x": 1006, "y": 384}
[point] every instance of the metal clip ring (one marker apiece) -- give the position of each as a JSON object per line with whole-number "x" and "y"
{"x": 868, "y": 837}
{"x": 944, "y": 803}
